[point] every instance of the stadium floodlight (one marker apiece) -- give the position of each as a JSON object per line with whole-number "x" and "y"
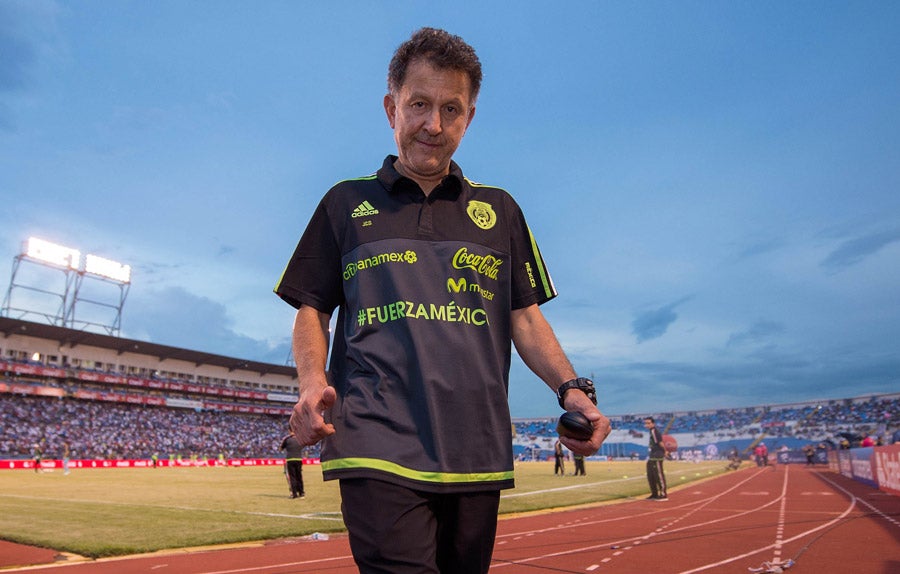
{"x": 52, "y": 253}
{"x": 108, "y": 268}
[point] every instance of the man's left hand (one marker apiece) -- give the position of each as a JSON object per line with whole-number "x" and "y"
{"x": 578, "y": 401}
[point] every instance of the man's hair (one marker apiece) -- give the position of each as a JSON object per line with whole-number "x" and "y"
{"x": 650, "y": 419}
{"x": 442, "y": 50}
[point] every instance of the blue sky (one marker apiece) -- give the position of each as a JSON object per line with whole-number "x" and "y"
{"x": 715, "y": 185}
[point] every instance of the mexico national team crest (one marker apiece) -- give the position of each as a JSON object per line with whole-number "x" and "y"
{"x": 482, "y": 214}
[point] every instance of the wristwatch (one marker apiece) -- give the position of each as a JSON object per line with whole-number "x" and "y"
{"x": 582, "y": 384}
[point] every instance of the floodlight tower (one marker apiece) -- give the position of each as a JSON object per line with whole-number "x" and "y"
{"x": 76, "y": 269}
{"x": 49, "y": 256}
{"x": 107, "y": 271}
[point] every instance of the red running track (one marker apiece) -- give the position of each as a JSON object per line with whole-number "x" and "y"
{"x": 789, "y": 518}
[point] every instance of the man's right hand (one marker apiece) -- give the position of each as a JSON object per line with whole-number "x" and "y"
{"x": 307, "y": 421}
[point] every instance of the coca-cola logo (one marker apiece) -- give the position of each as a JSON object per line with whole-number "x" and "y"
{"x": 486, "y": 265}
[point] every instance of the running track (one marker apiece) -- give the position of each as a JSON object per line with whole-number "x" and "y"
{"x": 753, "y": 520}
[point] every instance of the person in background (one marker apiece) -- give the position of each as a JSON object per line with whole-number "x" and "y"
{"x": 810, "y": 451}
{"x": 65, "y": 457}
{"x": 37, "y": 455}
{"x": 435, "y": 277}
{"x": 579, "y": 465}
{"x": 559, "y": 459}
{"x": 293, "y": 465}
{"x": 656, "y": 477}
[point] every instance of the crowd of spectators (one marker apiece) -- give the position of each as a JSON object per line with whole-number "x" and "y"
{"x": 107, "y": 430}
{"x": 100, "y": 430}
{"x": 876, "y": 416}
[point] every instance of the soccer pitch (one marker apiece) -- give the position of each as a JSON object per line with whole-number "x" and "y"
{"x": 109, "y": 512}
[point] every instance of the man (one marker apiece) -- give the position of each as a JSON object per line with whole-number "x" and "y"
{"x": 656, "y": 477}
{"x": 293, "y": 465}
{"x": 559, "y": 460}
{"x": 810, "y": 451}
{"x": 65, "y": 457}
{"x": 762, "y": 454}
{"x": 434, "y": 277}
{"x": 37, "y": 455}
{"x": 579, "y": 465}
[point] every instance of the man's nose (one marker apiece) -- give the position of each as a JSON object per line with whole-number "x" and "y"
{"x": 433, "y": 122}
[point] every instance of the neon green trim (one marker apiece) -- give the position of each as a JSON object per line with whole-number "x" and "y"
{"x": 363, "y": 178}
{"x": 280, "y": 279}
{"x": 393, "y": 468}
{"x": 542, "y": 271}
{"x": 283, "y": 271}
{"x": 476, "y": 184}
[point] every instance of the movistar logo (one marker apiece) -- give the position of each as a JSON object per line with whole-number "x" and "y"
{"x": 364, "y": 209}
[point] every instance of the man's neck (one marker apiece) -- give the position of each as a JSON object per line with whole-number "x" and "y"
{"x": 427, "y": 184}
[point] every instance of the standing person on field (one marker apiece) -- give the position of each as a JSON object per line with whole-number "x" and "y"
{"x": 293, "y": 465}
{"x": 559, "y": 459}
{"x": 656, "y": 477}
{"x": 434, "y": 278}
{"x": 65, "y": 457}
{"x": 579, "y": 465}
{"x": 37, "y": 455}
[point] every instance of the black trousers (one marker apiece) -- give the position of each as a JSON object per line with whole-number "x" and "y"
{"x": 295, "y": 477}
{"x": 657, "y": 478}
{"x": 559, "y": 466}
{"x": 397, "y": 530}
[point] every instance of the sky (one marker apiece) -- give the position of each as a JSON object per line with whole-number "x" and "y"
{"x": 715, "y": 185}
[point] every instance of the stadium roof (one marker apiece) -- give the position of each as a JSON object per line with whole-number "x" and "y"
{"x": 74, "y": 337}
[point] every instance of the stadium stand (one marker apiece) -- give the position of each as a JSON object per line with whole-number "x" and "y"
{"x": 111, "y": 398}
{"x": 827, "y": 424}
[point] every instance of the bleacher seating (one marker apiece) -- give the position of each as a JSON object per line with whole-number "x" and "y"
{"x": 788, "y": 425}
{"x": 103, "y": 430}
{"x": 119, "y": 417}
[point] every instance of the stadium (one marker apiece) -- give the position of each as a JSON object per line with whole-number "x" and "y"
{"x": 72, "y": 380}
{"x": 713, "y": 190}
{"x": 115, "y": 399}
{"x": 93, "y": 407}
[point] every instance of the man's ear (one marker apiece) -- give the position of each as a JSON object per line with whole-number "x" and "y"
{"x": 390, "y": 108}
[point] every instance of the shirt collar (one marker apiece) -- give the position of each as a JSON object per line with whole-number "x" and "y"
{"x": 394, "y": 182}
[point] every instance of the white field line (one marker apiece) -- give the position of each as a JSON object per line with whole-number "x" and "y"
{"x": 307, "y": 516}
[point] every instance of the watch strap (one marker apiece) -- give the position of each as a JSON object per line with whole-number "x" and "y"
{"x": 582, "y": 384}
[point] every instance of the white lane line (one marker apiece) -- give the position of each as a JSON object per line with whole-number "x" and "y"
{"x": 851, "y": 505}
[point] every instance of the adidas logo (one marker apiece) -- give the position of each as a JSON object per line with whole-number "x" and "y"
{"x": 364, "y": 209}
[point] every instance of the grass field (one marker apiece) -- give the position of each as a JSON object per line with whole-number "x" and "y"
{"x": 109, "y": 512}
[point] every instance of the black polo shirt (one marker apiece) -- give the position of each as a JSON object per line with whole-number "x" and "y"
{"x": 421, "y": 353}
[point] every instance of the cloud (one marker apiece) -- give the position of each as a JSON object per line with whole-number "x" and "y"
{"x": 175, "y": 317}
{"x": 761, "y": 247}
{"x": 27, "y": 35}
{"x": 18, "y": 58}
{"x": 758, "y": 332}
{"x": 783, "y": 377}
{"x": 18, "y": 54}
{"x": 226, "y": 250}
{"x": 654, "y": 323}
{"x": 853, "y": 251}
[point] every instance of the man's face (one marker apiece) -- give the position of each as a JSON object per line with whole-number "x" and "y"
{"x": 648, "y": 424}
{"x": 429, "y": 114}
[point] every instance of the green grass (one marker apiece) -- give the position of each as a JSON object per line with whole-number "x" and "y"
{"x": 110, "y": 512}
